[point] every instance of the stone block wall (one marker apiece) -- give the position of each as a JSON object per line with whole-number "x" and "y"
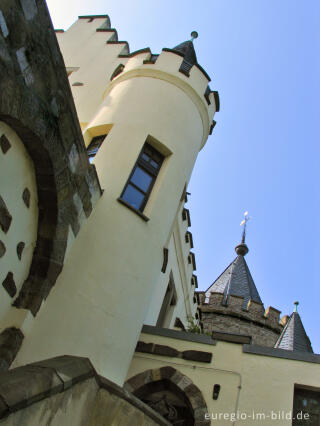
{"x": 234, "y": 317}
{"x": 66, "y": 391}
{"x": 224, "y": 323}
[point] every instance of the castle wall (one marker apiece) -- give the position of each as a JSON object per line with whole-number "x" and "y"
{"x": 91, "y": 54}
{"x": 229, "y": 324}
{"x": 253, "y": 380}
{"x": 262, "y": 325}
{"x": 182, "y": 271}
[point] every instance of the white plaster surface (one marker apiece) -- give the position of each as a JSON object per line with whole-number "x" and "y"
{"x": 16, "y": 174}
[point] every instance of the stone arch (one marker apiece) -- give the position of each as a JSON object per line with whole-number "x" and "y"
{"x": 36, "y": 102}
{"x": 52, "y": 235}
{"x": 170, "y": 379}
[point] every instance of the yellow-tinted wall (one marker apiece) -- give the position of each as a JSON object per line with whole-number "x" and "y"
{"x": 251, "y": 385}
{"x": 101, "y": 298}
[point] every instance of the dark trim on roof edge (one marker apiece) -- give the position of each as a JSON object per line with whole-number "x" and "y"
{"x": 217, "y": 100}
{"x": 93, "y": 16}
{"x": 281, "y": 353}
{"x": 180, "y": 335}
{"x": 59, "y": 31}
{"x": 176, "y": 52}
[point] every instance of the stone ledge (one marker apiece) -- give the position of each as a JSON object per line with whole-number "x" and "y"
{"x": 163, "y": 350}
{"x": 281, "y": 353}
{"x": 180, "y": 335}
{"x": 231, "y": 337}
{"x": 127, "y": 396}
{"x": 24, "y": 386}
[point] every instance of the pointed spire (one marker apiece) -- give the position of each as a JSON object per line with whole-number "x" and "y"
{"x": 242, "y": 248}
{"x": 187, "y": 49}
{"x": 293, "y": 336}
{"x": 236, "y": 280}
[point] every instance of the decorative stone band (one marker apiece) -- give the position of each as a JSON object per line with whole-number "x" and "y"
{"x": 162, "y": 350}
{"x": 30, "y": 384}
{"x": 180, "y": 335}
{"x": 231, "y": 337}
{"x": 281, "y": 353}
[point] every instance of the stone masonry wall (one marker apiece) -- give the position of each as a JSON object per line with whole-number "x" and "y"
{"x": 261, "y": 324}
{"x": 225, "y": 323}
{"x": 66, "y": 391}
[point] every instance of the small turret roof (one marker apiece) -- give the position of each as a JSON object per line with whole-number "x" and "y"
{"x": 293, "y": 336}
{"x": 236, "y": 280}
{"x": 187, "y": 49}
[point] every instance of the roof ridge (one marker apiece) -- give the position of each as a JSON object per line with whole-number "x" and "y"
{"x": 221, "y": 274}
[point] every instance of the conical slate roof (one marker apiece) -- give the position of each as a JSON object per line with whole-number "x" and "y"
{"x": 236, "y": 280}
{"x": 187, "y": 49}
{"x": 293, "y": 336}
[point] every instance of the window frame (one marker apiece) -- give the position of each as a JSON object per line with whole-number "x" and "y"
{"x": 147, "y": 168}
{"x": 101, "y": 139}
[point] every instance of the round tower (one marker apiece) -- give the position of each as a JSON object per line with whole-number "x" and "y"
{"x": 232, "y": 306}
{"x": 155, "y": 115}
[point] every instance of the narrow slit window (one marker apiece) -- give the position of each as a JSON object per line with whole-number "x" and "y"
{"x": 142, "y": 178}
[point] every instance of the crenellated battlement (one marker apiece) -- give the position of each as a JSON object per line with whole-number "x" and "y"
{"x": 91, "y": 38}
{"x": 234, "y": 307}
{"x": 167, "y": 66}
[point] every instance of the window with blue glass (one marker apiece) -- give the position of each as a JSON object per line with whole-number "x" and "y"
{"x": 94, "y": 146}
{"x": 142, "y": 178}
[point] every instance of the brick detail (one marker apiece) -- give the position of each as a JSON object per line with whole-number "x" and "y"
{"x": 233, "y": 317}
{"x": 199, "y": 356}
{"x": 5, "y": 216}
{"x": 26, "y": 197}
{"x": 10, "y": 342}
{"x": 36, "y": 102}
{"x": 9, "y": 285}
{"x": 20, "y": 247}
{"x": 2, "y": 249}
{"x": 185, "y": 386}
{"x": 4, "y": 144}
{"x": 163, "y": 350}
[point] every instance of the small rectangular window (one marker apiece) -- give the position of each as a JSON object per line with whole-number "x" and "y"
{"x": 168, "y": 304}
{"x": 94, "y": 146}
{"x": 142, "y": 178}
{"x": 306, "y": 407}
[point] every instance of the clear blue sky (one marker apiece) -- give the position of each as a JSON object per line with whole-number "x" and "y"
{"x": 263, "y": 156}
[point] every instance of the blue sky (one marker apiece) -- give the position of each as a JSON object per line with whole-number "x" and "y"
{"x": 263, "y": 155}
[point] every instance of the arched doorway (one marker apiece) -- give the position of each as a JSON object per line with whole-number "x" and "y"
{"x": 171, "y": 394}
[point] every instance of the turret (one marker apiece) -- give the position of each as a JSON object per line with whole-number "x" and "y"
{"x": 233, "y": 304}
{"x": 144, "y": 118}
{"x": 294, "y": 336}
